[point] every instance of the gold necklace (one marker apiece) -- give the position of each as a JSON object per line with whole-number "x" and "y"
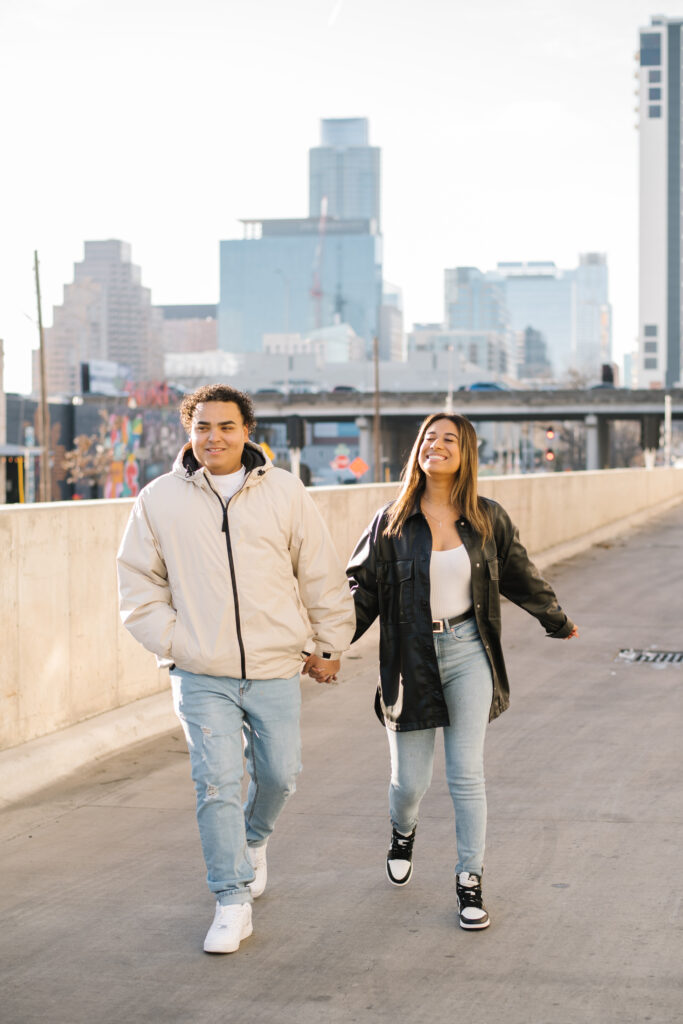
{"x": 439, "y": 521}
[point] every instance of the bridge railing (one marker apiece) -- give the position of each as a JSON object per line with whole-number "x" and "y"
{"x": 65, "y": 657}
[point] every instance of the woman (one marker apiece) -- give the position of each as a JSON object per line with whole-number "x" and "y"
{"x": 432, "y": 564}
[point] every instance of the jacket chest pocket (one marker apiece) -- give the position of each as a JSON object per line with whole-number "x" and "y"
{"x": 493, "y": 574}
{"x": 396, "y": 591}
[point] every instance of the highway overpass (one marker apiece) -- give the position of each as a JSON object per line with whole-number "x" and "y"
{"x": 400, "y": 413}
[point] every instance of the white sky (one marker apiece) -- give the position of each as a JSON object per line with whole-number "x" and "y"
{"x": 507, "y": 132}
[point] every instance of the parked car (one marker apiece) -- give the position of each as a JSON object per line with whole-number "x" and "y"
{"x": 486, "y": 385}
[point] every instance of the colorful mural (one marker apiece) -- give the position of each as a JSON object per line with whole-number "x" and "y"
{"x": 144, "y": 443}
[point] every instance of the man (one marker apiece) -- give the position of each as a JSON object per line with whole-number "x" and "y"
{"x": 228, "y": 574}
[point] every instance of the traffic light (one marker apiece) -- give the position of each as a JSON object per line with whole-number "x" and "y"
{"x": 549, "y": 455}
{"x": 550, "y": 433}
{"x": 295, "y": 432}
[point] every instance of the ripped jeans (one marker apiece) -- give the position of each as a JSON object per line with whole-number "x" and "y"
{"x": 222, "y": 718}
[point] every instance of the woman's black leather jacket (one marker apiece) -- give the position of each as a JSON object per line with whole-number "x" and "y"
{"x": 389, "y": 577}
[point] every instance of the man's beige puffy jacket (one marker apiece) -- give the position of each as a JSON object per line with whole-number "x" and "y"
{"x": 238, "y": 590}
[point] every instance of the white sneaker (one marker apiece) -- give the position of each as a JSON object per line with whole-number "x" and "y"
{"x": 472, "y": 912}
{"x": 400, "y": 857}
{"x": 257, "y": 856}
{"x": 230, "y": 925}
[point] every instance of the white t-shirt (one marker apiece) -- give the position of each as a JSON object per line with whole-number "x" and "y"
{"x": 450, "y": 582}
{"x": 229, "y": 483}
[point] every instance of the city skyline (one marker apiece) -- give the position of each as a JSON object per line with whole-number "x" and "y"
{"x": 505, "y": 135}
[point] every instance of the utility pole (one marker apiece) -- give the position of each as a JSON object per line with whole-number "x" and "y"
{"x": 44, "y": 413}
{"x": 375, "y": 423}
{"x": 449, "y": 396}
{"x": 667, "y": 430}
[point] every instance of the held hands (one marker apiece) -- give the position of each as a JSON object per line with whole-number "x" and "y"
{"x": 323, "y": 670}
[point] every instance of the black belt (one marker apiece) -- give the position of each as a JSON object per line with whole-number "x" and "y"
{"x": 440, "y": 625}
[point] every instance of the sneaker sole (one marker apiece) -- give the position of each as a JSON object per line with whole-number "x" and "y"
{"x": 232, "y": 949}
{"x": 475, "y": 927}
{"x": 403, "y": 882}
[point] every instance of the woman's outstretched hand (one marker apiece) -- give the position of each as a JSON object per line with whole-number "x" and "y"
{"x": 574, "y": 632}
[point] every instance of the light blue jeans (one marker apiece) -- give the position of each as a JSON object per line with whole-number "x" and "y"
{"x": 468, "y": 688}
{"x": 223, "y": 718}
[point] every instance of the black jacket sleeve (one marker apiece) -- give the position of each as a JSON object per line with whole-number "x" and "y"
{"x": 521, "y": 582}
{"x": 362, "y": 574}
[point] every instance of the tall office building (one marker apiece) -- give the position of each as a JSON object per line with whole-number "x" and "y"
{"x": 532, "y": 358}
{"x": 475, "y": 313}
{"x": 661, "y": 224}
{"x": 295, "y": 276}
{"x": 345, "y": 170}
{"x": 593, "y": 314}
{"x": 106, "y": 314}
{"x": 392, "y": 338}
{"x": 473, "y": 300}
{"x": 569, "y": 307}
{"x": 540, "y": 295}
{"x": 189, "y": 328}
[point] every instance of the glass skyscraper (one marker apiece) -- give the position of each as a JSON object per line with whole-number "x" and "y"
{"x": 345, "y": 170}
{"x": 540, "y": 295}
{"x": 291, "y": 277}
{"x": 569, "y": 308}
{"x": 473, "y": 301}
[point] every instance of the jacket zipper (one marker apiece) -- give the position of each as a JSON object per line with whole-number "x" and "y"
{"x": 225, "y": 529}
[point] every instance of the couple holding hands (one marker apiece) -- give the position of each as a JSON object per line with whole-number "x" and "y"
{"x": 216, "y": 562}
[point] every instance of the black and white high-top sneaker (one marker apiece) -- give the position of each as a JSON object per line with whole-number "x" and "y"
{"x": 400, "y": 858}
{"x": 470, "y": 905}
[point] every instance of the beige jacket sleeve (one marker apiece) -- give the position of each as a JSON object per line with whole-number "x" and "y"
{"x": 322, "y": 581}
{"x": 144, "y": 594}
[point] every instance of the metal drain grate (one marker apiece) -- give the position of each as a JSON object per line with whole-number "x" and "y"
{"x": 654, "y": 657}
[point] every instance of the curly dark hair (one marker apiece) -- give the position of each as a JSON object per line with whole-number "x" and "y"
{"x": 217, "y": 393}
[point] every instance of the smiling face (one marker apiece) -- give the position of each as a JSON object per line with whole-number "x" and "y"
{"x": 218, "y": 436}
{"x": 439, "y": 453}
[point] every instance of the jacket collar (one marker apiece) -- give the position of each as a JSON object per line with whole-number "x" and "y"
{"x": 187, "y": 466}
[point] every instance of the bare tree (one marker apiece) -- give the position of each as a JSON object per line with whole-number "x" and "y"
{"x": 571, "y": 449}
{"x": 576, "y": 380}
{"x": 90, "y": 459}
{"x": 626, "y": 450}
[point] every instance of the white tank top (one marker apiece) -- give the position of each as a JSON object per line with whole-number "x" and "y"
{"x": 450, "y": 582}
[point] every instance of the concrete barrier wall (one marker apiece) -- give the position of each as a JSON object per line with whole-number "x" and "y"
{"x": 65, "y": 657}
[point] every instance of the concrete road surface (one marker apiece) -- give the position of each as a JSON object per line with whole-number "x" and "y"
{"x": 104, "y": 906}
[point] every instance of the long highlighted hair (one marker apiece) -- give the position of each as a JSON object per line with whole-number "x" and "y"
{"x": 464, "y": 495}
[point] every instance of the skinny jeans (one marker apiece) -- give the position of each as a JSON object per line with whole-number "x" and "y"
{"x": 468, "y": 689}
